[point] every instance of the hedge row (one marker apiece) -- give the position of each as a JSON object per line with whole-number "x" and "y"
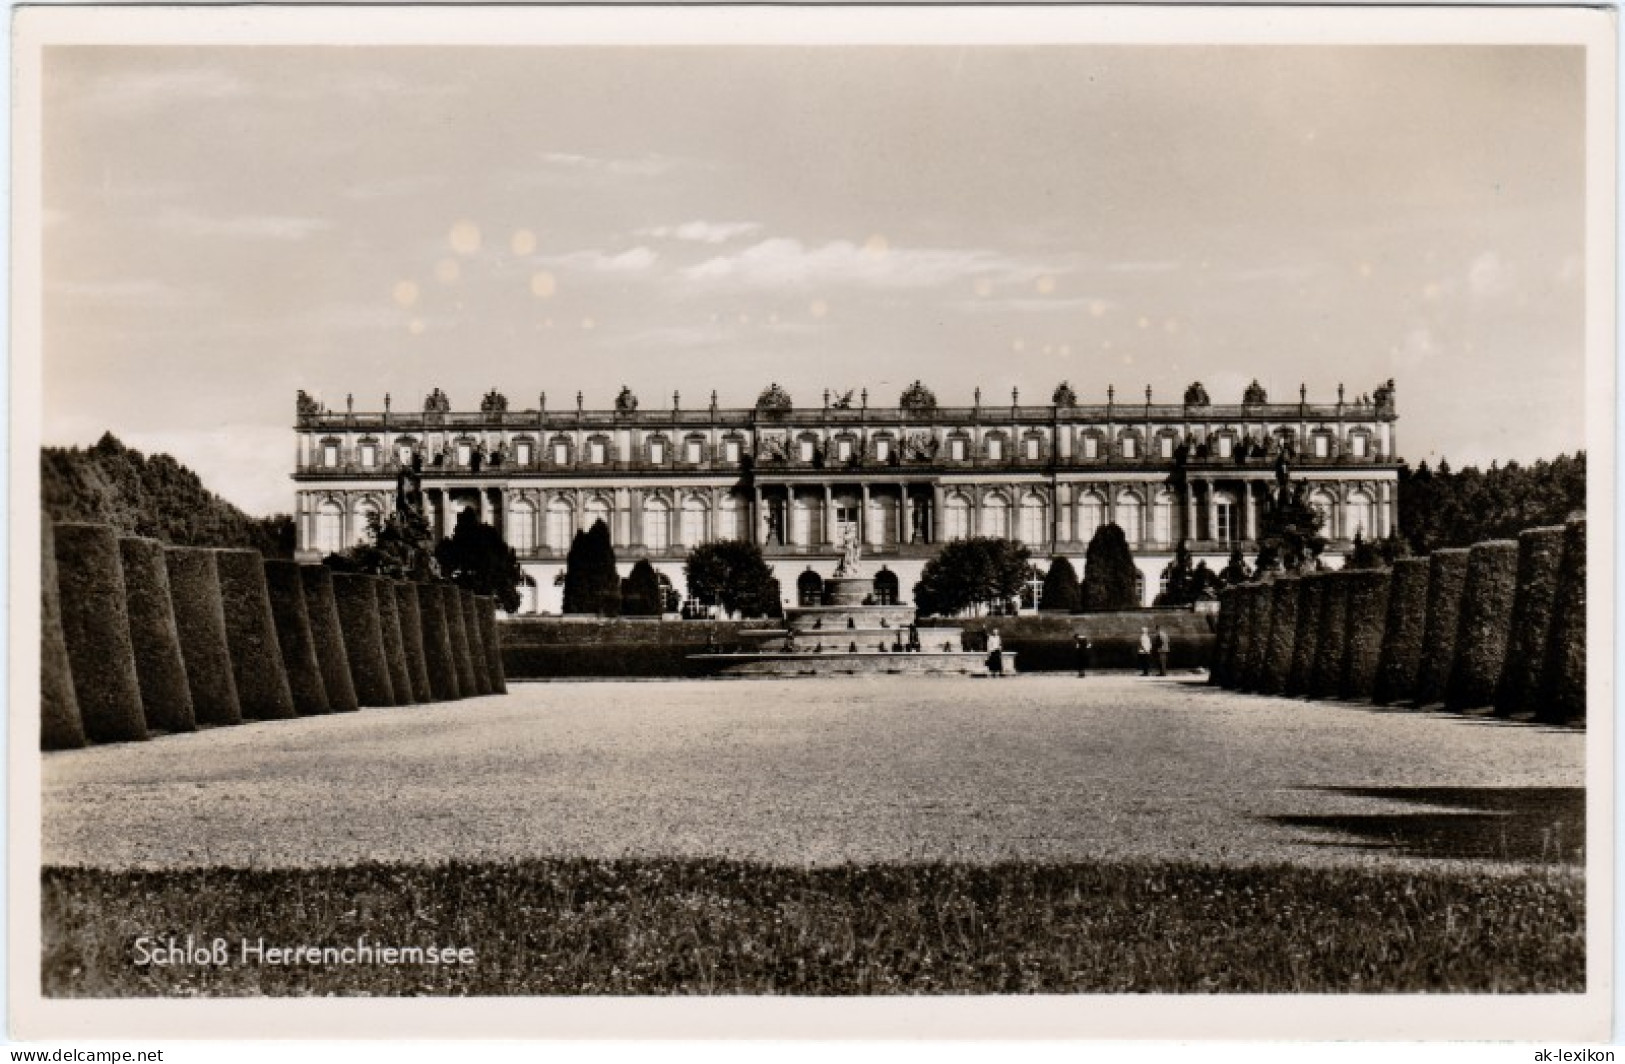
{"x": 1500, "y": 624}
{"x": 140, "y": 638}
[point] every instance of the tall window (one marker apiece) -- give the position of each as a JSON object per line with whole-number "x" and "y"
{"x": 1323, "y": 445}
{"x": 657, "y": 452}
{"x": 696, "y": 452}
{"x": 656, "y": 524}
{"x": 1034, "y": 520}
{"x": 366, "y": 512}
{"x": 883, "y": 450}
{"x": 1131, "y": 446}
{"x": 561, "y": 524}
{"x": 522, "y": 452}
{"x": 1359, "y": 446}
{"x": 521, "y": 526}
{"x": 956, "y": 449}
{"x": 693, "y": 530}
{"x": 1031, "y": 448}
{"x": 996, "y": 515}
{"x": 1162, "y": 518}
{"x": 1325, "y": 505}
{"x": 330, "y": 454}
{"x": 598, "y": 510}
{"x": 880, "y": 523}
{"x": 1362, "y": 517}
{"x": 731, "y": 518}
{"x": 995, "y": 448}
{"x": 956, "y": 517}
{"x": 1226, "y": 528}
{"x": 730, "y": 451}
{"x": 1224, "y": 446}
{"x": 597, "y": 452}
{"x": 805, "y": 449}
{"x": 1131, "y": 518}
{"x": 1165, "y": 446}
{"x": 369, "y": 456}
{"x": 561, "y": 453}
{"x": 1091, "y": 447}
{"x": 1091, "y": 515}
{"x": 403, "y": 450}
{"x": 329, "y": 528}
{"x": 843, "y": 449}
{"x": 465, "y": 453}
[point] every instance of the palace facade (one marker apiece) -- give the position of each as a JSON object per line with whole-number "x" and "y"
{"x": 905, "y": 478}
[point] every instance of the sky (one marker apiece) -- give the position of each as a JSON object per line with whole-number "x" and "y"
{"x": 226, "y": 225}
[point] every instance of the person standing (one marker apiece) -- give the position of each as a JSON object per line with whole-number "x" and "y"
{"x": 995, "y": 653}
{"x": 1145, "y": 651}
{"x": 1162, "y": 646}
{"x": 1081, "y": 652}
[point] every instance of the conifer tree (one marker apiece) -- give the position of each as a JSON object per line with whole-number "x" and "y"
{"x": 641, "y": 595}
{"x": 1108, "y": 571}
{"x": 591, "y": 583}
{"x": 1061, "y": 588}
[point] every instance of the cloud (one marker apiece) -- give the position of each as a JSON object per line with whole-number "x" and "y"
{"x": 243, "y": 227}
{"x": 632, "y": 260}
{"x": 702, "y": 232}
{"x": 650, "y": 165}
{"x": 787, "y": 263}
{"x": 1489, "y": 276}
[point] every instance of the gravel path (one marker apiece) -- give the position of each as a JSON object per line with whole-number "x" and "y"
{"x": 816, "y": 771}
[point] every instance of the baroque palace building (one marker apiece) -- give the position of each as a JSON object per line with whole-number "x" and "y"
{"x": 906, "y": 478}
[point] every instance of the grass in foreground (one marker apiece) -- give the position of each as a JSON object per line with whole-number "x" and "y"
{"x": 707, "y": 926}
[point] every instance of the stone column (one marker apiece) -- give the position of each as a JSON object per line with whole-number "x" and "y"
{"x": 1190, "y": 509}
{"x": 1212, "y": 511}
{"x": 758, "y": 518}
{"x": 863, "y": 512}
{"x": 905, "y": 515}
{"x": 934, "y": 525}
{"x": 1249, "y": 521}
{"x": 485, "y": 505}
{"x": 829, "y": 513}
{"x": 1111, "y": 502}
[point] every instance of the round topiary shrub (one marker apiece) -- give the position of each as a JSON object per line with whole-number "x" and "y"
{"x": 357, "y": 600}
{"x": 1486, "y": 618}
{"x": 60, "y": 726}
{"x": 457, "y": 624}
{"x": 96, "y": 632}
{"x": 492, "y": 641}
{"x": 1563, "y": 680}
{"x": 256, "y": 655}
{"x": 406, "y": 602}
{"x": 200, "y": 621}
{"x": 1540, "y": 564}
{"x": 1331, "y": 649}
{"x": 166, "y": 700}
{"x": 294, "y": 635}
{"x": 1401, "y": 655}
{"x": 323, "y": 614}
{"x": 389, "y": 622}
{"x": 1447, "y": 576}
{"x": 1367, "y": 621}
{"x": 1285, "y": 595}
{"x": 476, "y": 641}
{"x": 1306, "y": 646}
{"x": 437, "y": 652}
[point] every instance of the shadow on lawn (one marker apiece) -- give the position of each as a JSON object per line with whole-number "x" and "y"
{"x": 1536, "y": 825}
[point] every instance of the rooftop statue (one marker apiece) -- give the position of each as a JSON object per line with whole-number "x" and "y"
{"x": 1255, "y": 394}
{"x": 917, "y": 397}
{"x": 305, "y": 406}
{"x": 626, "y": 402}
{"x": 1064, "y": 396}
{"x": 437, "y": 403}
{"x": 774, "y": 399}
{"x": 1196, "y": 395}
{"x": 494, "y": 403}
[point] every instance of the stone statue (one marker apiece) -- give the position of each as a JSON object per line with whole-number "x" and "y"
{"x": 851, "y": 551}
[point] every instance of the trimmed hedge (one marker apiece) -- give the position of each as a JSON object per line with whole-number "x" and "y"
{"x": 1401, "y": 657}
{"x": 1241, "y": 644}
{"x": 96, "y": 632}
{"x": 357, "y": 600}
{"x": 406, "y": 603}
{"x": 200, "y": 621}
{"x": 476, "y": 641}
{"x": 1540, "y": 564}
{"x": 1284, "y": 598}
{"x": 1258, "y": 648}
{"x": 256, "y": 656}
{"x": 437, "y": 652}
{"x": 1563, "y": 680}
{"x": 1367, "y": 620}
{"x": 1224, "y": 638}
{"x": 1486, "y": 617}
{"x": 294, "y": 635}
{"x": 1331, "y": 649}
{"x": 1447, "y": 576}
{"x": 456, "y": 623}
{"x": 389, "y": 623}
{"x": 160, "y": 670}
{"x": 492, "y": 641}
{"x": 1306, "y": 647}
{"x": 323, "y": 614}
{"x": 60, "y": 727}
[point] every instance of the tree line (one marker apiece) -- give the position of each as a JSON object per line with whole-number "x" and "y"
{"x": 153, "y": 496}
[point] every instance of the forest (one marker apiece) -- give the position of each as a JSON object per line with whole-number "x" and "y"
{"x": 1446, "y": 507}
{"x": 153, "y": 496}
